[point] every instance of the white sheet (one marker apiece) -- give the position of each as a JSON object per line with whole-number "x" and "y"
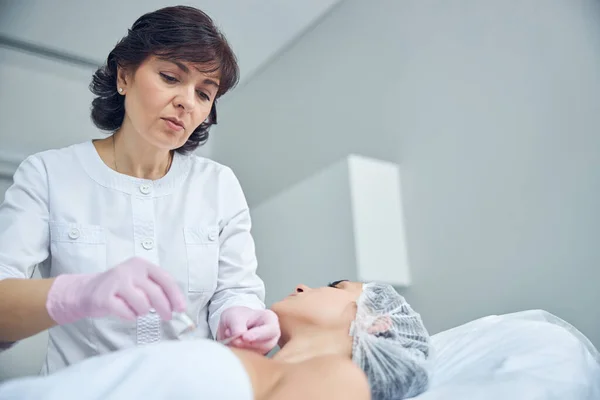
{"x": 181, "y": 370}
{"x": 528, "y": 355}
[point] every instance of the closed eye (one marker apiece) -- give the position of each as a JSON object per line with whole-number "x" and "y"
{"x": 336, "y": 283}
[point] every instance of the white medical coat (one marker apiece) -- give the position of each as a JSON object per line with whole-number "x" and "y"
{"x": 70, "y": 213}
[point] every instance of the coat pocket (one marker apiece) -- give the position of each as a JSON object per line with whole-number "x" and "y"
{"x": 77, "y": 248}
{"x": 202, "y": 246}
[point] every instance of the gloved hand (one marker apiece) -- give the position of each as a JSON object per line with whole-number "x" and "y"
{"x": 128, "y": 291}
{"x": 259, "y": 328}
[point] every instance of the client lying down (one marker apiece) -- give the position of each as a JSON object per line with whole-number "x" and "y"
{"x": 347, "y": 340}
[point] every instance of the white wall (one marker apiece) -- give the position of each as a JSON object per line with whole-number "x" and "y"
{"x": 490, "y": 108}
{"x": 43, "y": 103}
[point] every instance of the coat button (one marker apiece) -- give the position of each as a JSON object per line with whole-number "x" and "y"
{"x": 74, "y": 233}
{"x": 212, "y": 236}
{"x": 148, "y": 244}
{"x": 145, "y": 188}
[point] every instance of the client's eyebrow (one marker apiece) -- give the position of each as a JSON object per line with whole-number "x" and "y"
{"x": 335, "y": 283}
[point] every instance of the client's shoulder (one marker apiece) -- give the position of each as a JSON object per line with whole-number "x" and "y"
{"x": 323, "y": 377}
{"x": 319, "y": 378}
{"x": 332, "y": 363}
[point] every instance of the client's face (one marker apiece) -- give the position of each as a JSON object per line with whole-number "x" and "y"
{"x": 329, "y": 307}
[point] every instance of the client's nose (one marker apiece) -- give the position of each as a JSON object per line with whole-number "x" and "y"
{"x": 302, "y": 288}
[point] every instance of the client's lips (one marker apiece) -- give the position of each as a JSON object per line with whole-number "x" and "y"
{"x": 174, "y": 123}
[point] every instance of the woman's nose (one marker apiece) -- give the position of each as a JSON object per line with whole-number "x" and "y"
{"x": 302, "y": 288}
{"x": 186, "y": 99}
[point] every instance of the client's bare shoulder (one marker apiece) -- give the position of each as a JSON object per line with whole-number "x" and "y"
{"x": 324, "y": 377}
{"x": 263, "y": 372}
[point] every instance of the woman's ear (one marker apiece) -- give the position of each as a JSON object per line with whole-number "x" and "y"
{"x": 381, "y": 324}
{"x": 122, "y": 79}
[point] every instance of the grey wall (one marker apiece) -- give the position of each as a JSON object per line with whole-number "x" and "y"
{"x": 490, "y": 108}
{"x": 44, "y": 103}
{"x": 313, "y": 247}
{"x": 25, "y": 358}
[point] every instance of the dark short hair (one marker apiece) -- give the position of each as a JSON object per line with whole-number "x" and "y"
{"x": 179, "y": 33}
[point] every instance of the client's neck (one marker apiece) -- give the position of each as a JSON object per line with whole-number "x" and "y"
{"x": 311, "y": 343}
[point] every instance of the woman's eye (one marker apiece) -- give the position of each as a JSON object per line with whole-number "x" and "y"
{"x": 203, "y": 96}
{"x": 168, "y": 78}
{"x": 336, "y": 283}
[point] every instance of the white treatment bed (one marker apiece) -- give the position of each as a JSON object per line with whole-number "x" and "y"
{"x": 530, "y": 355}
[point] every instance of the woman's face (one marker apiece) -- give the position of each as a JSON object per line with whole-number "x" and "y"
{"x": 166, "y": 100}
{"x": 332, "y": 306}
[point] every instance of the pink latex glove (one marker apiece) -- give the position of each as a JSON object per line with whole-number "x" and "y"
{"x": 259, "y": 329}
{"x": 128, "y": 290}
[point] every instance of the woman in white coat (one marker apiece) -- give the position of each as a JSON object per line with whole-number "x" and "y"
{"x": 128, "y": 229}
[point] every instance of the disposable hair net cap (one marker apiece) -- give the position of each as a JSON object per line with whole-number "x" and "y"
{"x": 390, "y": 343}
